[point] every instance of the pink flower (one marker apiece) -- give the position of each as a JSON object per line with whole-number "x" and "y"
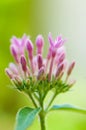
{"x": 18, "y": 46}
{"x": 54, "y": 45}
{"x": 29, "y": 65}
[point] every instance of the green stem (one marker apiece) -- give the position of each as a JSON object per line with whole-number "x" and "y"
{"x": 31, "y": 97}
{"x": 42, "y": 114}
{"x": 52, "y": 98}
{"x": 36, "y": 96}
{"x": 42, "y": 120}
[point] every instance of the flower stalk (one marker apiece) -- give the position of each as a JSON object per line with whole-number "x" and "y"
{"x": 42, "y": 120}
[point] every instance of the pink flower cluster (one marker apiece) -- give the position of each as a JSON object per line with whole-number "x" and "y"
{"x": 27, "y": 64}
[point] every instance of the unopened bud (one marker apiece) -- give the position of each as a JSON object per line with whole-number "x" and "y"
{"x": 39, "y": 44}
{"x": 54, "y": 52}
{"x": 40, "y": 73}
{"x": 9, "y": 73}
{"x": 23, "y": 63}
{"x": 71, "y": 66}
{"x": 13, "y": 68}
{"x": 14, "y": 53}
{"x": 14, "y": 82}
{"x": 40, "y": 61}
{"x": 18, "y": 80}
{"x": 61, "y": 58}
{"x": 29, "y": 46}
{"x": 59, "y": 69}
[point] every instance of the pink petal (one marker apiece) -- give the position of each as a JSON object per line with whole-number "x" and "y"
{"x": 15, "y": 41}
{"x": 50, "y": 39}
{"x": 23, "y": 40}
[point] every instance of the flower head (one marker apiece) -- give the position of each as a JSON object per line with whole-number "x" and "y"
{"x": 33, "y": 72}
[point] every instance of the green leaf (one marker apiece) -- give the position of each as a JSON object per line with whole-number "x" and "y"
{"x": 25, "y": 117}
{"x": 68, "y": 107}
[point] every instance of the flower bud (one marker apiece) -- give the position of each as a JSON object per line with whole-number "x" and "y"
{"x": 50, "y": 69}
{"x": 40, "y": 61}
{"x": 29, "y": 46}
{"x": 39, "y": 44}
{"x": 71, "y": 66}
{"x": 61, "y": 58}
{"x": 54, "y": 52}
{"x": 40, "y": 73}
{"x": 9, "y": 73}
{"x": 23, "y": 63}
{"x": 13, "y": 68}
{"x": 18, "y": 80}
{"x": 59, "y": 69}
{"x": 14, "y": 53}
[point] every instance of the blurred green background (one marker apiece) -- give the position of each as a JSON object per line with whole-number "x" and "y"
{"x": 33, "y": 17}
